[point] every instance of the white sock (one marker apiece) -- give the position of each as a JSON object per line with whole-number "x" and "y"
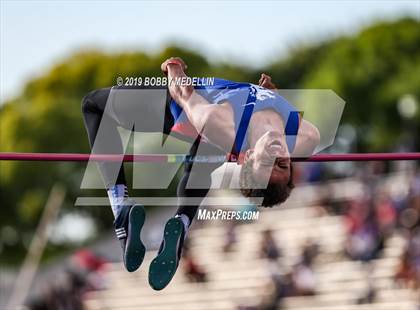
{"x": 118, "y": 195}
{"x": 185, "y": 220}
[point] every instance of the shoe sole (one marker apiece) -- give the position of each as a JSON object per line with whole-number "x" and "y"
{"x": 163, "y": 267}
{"x": 134, "y": 249}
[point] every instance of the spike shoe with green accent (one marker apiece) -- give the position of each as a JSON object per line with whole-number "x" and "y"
{"x": 128, "y": 227}
{"x": 163, "y": 267}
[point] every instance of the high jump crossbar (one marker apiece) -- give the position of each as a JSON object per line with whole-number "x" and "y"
{"x": 171, "y": 158}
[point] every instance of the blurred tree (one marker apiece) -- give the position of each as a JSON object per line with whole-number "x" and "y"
{"x": 371, "y": 71}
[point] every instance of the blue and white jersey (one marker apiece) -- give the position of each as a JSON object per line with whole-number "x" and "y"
{"x": 245, "y": 99}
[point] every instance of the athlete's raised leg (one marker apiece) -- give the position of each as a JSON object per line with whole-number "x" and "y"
{"x": 195, "y": 184}
{"x": 103, "y": 111}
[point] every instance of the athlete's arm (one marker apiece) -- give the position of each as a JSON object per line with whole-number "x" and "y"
{"x": 211, "y": 120}
{"x": 308, "y": 136}
{"x": 307, "y": 139}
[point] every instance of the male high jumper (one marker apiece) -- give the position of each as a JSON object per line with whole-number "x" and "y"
{"x": 250, "y": 121}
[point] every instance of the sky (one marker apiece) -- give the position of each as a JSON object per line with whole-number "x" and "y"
{"x": 35, "y": 35}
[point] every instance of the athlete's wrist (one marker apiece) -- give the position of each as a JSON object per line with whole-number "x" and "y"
{"x": 174, "y": 63}
{"x": 172, "y": 66}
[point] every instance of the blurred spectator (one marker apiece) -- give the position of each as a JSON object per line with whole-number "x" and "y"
{"x": 368, "y": 297}
{"x": 67, "y": 289}
{"x": 192, "y": 270}
{"x": 272, "y": 292}
{"x": 408, "y": 270}
{"x": 63, "y": 294}
{"x": 309, "y": 252}
{"x": 231, "y": 237}
{"x": 364, "y": 240}
{"x": 313, "y": 172}
{"x": 90, "y": 266}
{"x": 303, "y": 276}
{"x": 368, "y": 294}
{"x": 303, "y": 280}
{"x": 36, "y": 303}
{"x": 86, "y": 260}
{"x": 405, "y": 272}
{"x": 269, "y": 248}
{"x": 385, "y": 213}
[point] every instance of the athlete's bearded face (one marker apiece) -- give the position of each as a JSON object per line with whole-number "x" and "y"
{"x": 271, "y": 159}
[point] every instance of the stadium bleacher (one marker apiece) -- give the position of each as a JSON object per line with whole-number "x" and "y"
{"x": 240, "y": 277}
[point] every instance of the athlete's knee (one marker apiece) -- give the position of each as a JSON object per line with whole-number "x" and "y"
{"x": 194, "y": 185}
{"x": 95, "y": 100}
{"x": 88, "y": 103}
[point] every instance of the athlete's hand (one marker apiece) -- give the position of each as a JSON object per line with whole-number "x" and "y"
{"x": 172, "y": 61}
{"x": 265, "y": 81}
